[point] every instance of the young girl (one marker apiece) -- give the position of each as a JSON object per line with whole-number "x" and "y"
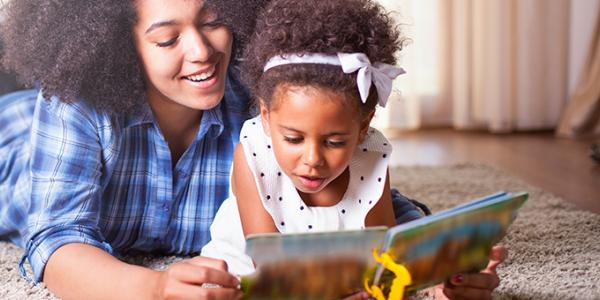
{"x": 310, "y": 162}
{"x": 129, "y": 145}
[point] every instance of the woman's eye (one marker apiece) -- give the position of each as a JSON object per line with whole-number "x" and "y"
{"x": 214, "y": 24}
{"x": 167, "y": 43}
{"x": 292, "y": 140}
{"x": 336, "y": 144}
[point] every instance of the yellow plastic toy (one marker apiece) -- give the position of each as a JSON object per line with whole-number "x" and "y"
{"x": 401, "y": 280}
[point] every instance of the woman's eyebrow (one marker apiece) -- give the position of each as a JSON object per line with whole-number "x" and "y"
{"x": 160, "y": 24}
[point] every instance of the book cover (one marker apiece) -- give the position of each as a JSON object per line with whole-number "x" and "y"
{"x": 331, "y": 265}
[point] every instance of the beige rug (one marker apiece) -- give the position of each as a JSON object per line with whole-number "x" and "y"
{"x": 554, "y": 247}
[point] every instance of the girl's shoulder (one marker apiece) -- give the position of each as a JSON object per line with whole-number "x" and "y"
{"x": 252, "y": 131}
{"x": 257, "y": 147}
{"x": 376, "y": 142}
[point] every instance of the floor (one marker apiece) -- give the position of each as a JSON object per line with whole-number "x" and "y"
{"x": 560, "y": 166}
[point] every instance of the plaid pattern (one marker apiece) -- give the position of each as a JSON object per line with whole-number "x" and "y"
{"x": 87, "y": 177}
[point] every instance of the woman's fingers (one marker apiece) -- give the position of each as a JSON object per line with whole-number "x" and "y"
{"x": 186, "y": 291}
{"x": 198, "y": 274}
{"x": 218, "y": 264}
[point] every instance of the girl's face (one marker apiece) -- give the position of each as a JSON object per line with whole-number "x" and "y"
{"x": 314, "y": 133}
{"x": 184, "y": 50}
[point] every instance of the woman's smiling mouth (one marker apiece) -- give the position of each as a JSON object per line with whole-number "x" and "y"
{"x": 202, "y": 76}
{"x": 204, "y": 79}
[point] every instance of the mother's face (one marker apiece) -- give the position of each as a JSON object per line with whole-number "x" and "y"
{"x": 184, "y": 50}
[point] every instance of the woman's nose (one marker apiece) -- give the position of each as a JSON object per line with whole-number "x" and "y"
{"x": 199, "y": 48}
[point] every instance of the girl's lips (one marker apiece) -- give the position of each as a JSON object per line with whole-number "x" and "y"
{"x": 311, "y": 183}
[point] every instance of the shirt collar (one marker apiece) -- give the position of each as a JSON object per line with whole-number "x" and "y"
{"x": 210, "y": 118}
{"x": 143, "y": 116}
{"x": 212, "y": 122}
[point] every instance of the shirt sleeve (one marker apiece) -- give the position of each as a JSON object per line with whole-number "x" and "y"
{"x": 405, "y": 209}
{"x": 66, "y": 170}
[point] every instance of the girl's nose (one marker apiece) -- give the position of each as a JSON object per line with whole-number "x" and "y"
{"x": 312, "y": 156}
{"x": 199, "y": 48}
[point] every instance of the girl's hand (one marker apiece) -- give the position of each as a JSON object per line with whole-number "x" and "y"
{"x": 184, "y": 279}
{"x": 474, "y": 286}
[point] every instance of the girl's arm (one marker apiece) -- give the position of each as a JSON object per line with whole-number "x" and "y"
{"x": 254, "y": 217}
{"x": 383, "y": 212}
{"x": 80, "y": 271}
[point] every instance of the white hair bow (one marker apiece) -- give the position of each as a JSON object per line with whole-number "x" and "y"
{"x": 382, "y": 75}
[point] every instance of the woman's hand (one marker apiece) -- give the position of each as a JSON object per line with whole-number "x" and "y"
{"x": 184, "y": 279}
{"x": 474, "y": 286}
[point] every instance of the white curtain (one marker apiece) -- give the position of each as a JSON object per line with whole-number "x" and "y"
{"x": 582, "y": 115}
{"x": 500, "y": 65}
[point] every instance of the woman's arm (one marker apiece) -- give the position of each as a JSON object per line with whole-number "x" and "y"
{"x": 383, "y": 212}
{"x": 65, "y": 245}
{"x": 80, "y": 271}
{"x": 254, "y": 217}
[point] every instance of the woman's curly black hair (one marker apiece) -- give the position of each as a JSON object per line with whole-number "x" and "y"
{"x": 82, "y": 49}
{"x": 318, "y": 26}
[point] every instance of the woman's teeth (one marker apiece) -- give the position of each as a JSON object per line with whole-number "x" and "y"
{"x": 202, "y": 76}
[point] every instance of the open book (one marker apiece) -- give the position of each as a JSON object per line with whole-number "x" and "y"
{"x": 418, "y": 254}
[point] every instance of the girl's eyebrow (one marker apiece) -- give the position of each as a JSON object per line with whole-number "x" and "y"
{"x": 290, "y": 129}
{"x": 160, "y": 24}
{"x": 328, "y": 134}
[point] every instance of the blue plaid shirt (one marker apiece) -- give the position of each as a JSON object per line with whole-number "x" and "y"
{"x": 72, "y": 174}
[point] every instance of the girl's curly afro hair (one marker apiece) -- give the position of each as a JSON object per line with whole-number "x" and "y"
{"x": 318, "y": 26}
{"x": 85, "y": 49}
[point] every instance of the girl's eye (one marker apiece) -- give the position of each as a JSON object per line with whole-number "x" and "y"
{"x": 292, "y": 140}
{"x": 167, "y": 43}
{"x": 336, "y": 144}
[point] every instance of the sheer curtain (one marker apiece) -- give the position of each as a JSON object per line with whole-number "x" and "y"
{"x": 582, "y": 115}
{"x": 499, "y": 65}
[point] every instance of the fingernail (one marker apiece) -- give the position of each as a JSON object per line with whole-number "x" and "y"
{"x": 457, "y": 279}
{"x": 364, "y": 295}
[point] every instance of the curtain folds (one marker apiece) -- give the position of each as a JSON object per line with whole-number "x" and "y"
{"x": 500, "y": 65}
{"x": 582, "y": 115}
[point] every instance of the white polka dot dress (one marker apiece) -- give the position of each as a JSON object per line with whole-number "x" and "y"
{"x": 368, "y": 169}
